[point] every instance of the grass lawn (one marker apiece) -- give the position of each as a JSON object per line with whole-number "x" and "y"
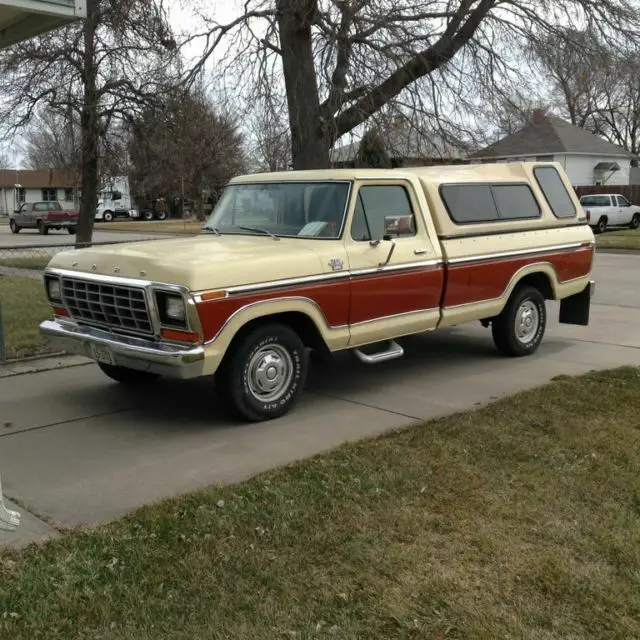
{"x": 521, "y": 520}
{"x": 627, "y": 239}
{"x": 35, "y": 262}
{"x": 164, "y": 226}
{"x": 23, "y": 307}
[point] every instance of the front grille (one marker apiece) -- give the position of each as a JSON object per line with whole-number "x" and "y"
{"x": 106, "y": 305}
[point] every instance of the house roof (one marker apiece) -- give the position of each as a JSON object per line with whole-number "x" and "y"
{"x": 549, "y": 135}
{"x": 28, "y": 179}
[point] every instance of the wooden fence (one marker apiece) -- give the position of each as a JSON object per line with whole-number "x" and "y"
{"x": 630, "y": 191}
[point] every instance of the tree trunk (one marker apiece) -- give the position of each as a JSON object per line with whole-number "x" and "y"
{"x": 310, "y": 140}
{"x": 89, "y": 130}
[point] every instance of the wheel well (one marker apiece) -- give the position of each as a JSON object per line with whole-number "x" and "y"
{"x": 603, "y": 217}
{"x": 539, "y": 281}
{"x": 300, "y": 322}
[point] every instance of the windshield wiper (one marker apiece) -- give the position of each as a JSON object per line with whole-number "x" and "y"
{"x": 212, "y": 230}
{"x": 258, "y": 230}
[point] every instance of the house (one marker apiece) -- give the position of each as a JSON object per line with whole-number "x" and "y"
{"x": 18, "y": 186}
{"x": 587, "y": 158}
{"x": 407, "y": 146}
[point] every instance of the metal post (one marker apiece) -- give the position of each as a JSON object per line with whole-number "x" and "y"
{"x": 2, "y": 351}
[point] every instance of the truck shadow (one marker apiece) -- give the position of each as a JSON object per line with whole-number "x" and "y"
{"x": 429, "y": 358}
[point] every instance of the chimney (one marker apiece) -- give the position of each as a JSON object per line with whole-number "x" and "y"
{"x": 539, "y": 116}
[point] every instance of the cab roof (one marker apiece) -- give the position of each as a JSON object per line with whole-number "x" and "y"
{"x": 436, "y": 175}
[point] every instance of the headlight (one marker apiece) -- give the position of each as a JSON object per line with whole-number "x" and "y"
{"x": 54, "y": 290}
{"x": 171, "y": 309}
{"x": 175, "y": 308}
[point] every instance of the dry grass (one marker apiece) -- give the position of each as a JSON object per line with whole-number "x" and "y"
{"x": 157, "y": 226}
{"x": 23, "y": 306}
{"x": 628, "y": 239}
{"x": 521, "y": 520}
{"x": 37, "y": 263}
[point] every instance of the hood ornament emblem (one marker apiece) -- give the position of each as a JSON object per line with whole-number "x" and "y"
{"x": 116, "y": 270}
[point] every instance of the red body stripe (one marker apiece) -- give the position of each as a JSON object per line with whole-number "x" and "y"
{"x": 475, "y": 282}
{"x": 389, "y": 294}
{"x": 363, "y": 298}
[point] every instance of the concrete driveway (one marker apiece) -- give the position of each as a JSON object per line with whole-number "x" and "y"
{"x": 76, "y": 448}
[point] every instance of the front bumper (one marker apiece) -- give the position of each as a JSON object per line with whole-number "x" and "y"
{"x": 163, "y": 358}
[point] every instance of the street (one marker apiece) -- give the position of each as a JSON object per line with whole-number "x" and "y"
{"x": 32, "y": 237}
{"x": 78, "y": 449}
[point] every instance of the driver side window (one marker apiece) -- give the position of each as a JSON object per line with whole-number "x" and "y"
{"x": 373, "y": 205}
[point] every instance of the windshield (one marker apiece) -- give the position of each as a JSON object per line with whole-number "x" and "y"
{"x": 595, "y": 201}
{"x": 294, "y": 209}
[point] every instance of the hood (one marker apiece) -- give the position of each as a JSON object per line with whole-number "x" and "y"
{"x": 198, "y": 262}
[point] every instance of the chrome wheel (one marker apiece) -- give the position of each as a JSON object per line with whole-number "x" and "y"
{"x": 527, "y": 321}
{"x": 269, "y": 373}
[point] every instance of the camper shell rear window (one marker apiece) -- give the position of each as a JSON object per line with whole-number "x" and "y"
{"x": 473, "y": 203}
{"x": 555, "y": 193}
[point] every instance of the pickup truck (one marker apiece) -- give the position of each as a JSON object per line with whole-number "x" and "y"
{"x": 43, "y": 216}
{"x": 326, "y": 261}
{"x": 610, "y": 210}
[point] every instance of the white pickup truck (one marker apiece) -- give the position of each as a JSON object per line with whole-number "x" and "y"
{"x": 610, "y": 210}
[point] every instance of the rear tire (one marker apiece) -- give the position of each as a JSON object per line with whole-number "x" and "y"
{"x": 519, "y": 329}
{"x": 264, "y": 375}
{"x": 14, "y": 227}
{"x": 161, "y": 215}
{"x": 148, "y": 215}
{"x": 635, "y": 221}
{"x": 130, "y": 377}
{"x": 43, "y": 230}
{"x": 71, "y": 231}
{"x": 601, "y": 226}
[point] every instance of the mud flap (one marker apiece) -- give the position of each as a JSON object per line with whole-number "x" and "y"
{"x": 575, "y": 309}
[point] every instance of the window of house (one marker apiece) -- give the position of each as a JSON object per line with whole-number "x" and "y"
{"x": 49, "y": 195}
{"x": 69, "y": 195}
{"x": 374, "y": 204}
{"x": 555, "y": 192}
{"x": 22, "y": 195}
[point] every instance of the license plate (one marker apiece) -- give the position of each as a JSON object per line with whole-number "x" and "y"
{"x": 103, "y": 355}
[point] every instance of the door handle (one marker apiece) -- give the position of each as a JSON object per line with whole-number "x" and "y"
{"x": 420, "y": 252}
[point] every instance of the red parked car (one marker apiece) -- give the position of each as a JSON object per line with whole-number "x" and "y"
{"x": 43, "y": 216}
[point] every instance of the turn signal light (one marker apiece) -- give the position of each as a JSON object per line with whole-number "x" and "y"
{"x": 179, "y": 336}
{"x": 213, "y": 295}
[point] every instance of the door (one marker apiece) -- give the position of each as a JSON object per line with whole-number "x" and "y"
{"x": 396, "y": 271}
{"x": 625, "y": 211}
{"x": 39, "y": 211}
{"x": 20, "y": 217}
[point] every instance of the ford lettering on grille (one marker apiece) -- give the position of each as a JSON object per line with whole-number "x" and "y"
{"x": 106, "y": 305}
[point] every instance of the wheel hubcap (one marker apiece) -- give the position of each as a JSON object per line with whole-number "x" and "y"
{"x": 527, "y": 322}
{"x": 269, "y": 373}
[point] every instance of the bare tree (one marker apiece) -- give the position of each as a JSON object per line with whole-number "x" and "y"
{"x": 52, "y": 141}
{"x": 271, "y": 140}
{"x": 99, "y": 71}
{"x": 341, "y": 61}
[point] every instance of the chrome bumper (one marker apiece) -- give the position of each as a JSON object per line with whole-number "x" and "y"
{"x": 162, "y": 358}
{"x": 592, "y": 288}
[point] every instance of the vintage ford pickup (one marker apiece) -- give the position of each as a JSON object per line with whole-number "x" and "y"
{"x": 325, "y": 261}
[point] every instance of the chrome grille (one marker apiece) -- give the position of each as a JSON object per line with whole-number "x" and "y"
{"x": 107, "y": 305}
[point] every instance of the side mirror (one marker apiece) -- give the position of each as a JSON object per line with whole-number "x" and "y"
{"x": 399, "y": 226}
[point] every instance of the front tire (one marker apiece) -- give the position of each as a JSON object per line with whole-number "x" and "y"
{"x": 635, "y": 221}
{"x": 264, "y": 375}
{"x": 14, "y": 227}
{"x": 161, "y": 215}
{"x": 518, "y": 331}
{"x": 108, "y": 216}
{"x": 130, "y": 377}
{"x": 148, "y": 216}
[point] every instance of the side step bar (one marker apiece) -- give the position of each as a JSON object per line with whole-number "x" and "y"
{"x": 393, "y": 351}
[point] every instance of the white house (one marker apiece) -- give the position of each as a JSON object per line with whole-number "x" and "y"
{"x": 587, "y": 158}
{"x": 18, "y": 186}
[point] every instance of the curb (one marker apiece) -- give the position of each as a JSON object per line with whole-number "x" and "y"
{"x": 40, "y": 364}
